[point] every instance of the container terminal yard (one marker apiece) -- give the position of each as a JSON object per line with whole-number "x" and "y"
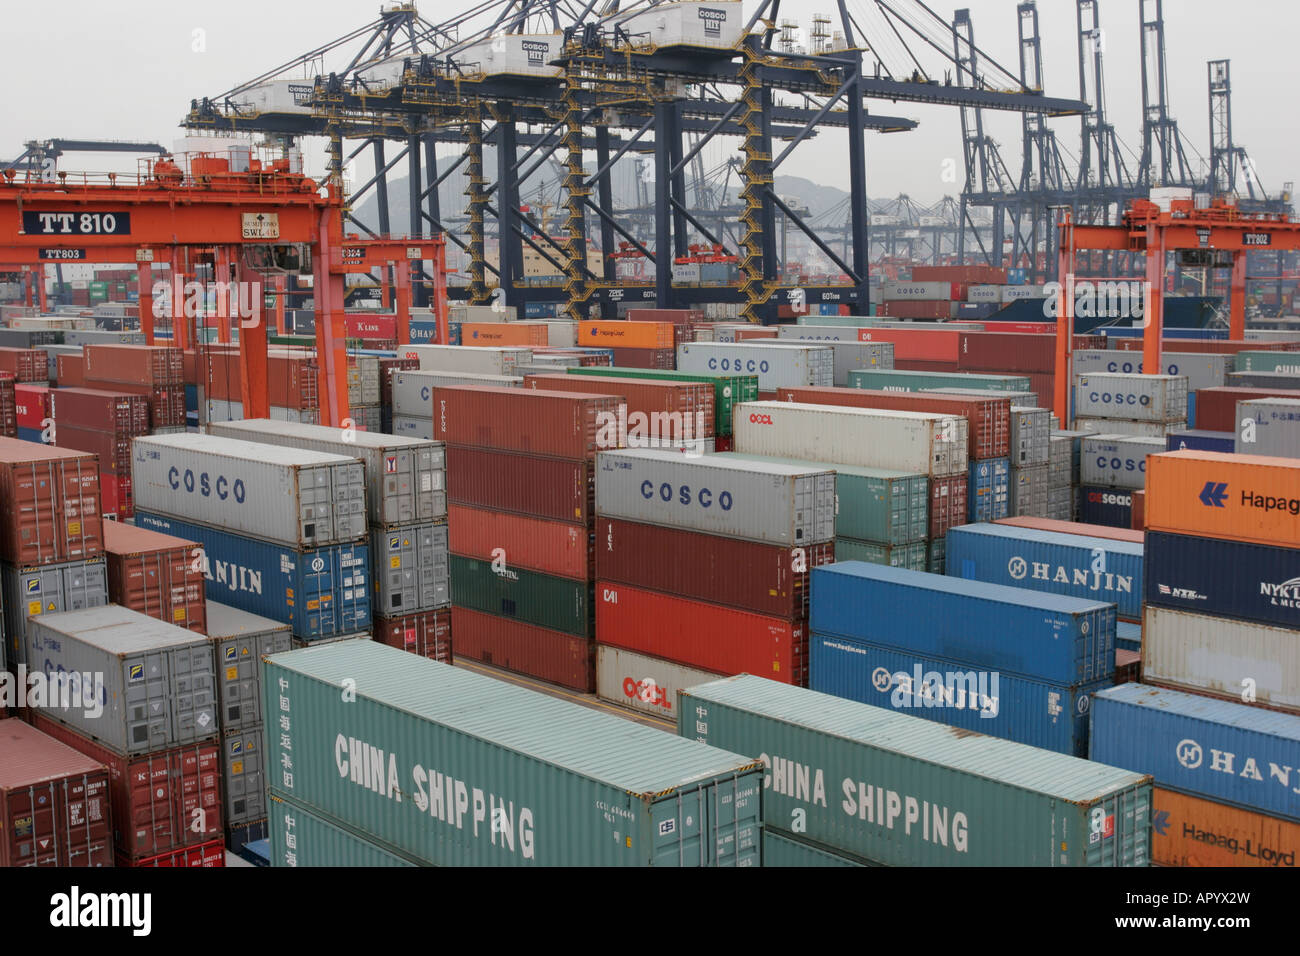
{"x": 476, "y": 443}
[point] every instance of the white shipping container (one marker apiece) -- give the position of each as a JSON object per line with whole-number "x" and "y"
{"x": 474, "y": 359}
{"x": 285, "y": 495}
{"x": 481, "y": 313}
{"x": 851, "y": 355}
{"x": 711, "y": 25}
{"x": 817, "y": 333}
{"x": 562, "y": 334}
{"x": 1269, "y": 426}
{"x": 915, "y": 442}
{"x": 413, "y": 426}
{"x": 1133, "y": 397}
{"x": 413, "y": 389}
{"x": 984, "y": 293}
{"x": 647, "y": 685}
{"x": 1117, "y": 461}
{"x": 686, "y": 272}
{"x": 1123, "y": 426}
{"x": 783, "y": 364}
{"x": 1219, "y": 655}
{"x": 1203, "y": 369}
{"x": 789, "y": 505}
{"x": 894, "y": 290}
{"x": 1010, "y": 293}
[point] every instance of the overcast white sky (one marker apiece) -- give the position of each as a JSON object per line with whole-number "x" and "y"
{"x": 127, "y": 70}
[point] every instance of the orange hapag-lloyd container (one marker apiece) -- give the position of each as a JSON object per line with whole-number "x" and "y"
{"x": 1189, "y": 831}
{"x": 504, "y": 333}
{"x": 1238, "y": 497}
{"x": 631, "y": 335}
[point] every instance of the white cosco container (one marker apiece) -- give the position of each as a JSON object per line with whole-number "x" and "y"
{"x": 1123, "y": 426}
{"x": 817, "y": 333}
{"x": 785, "y": 364}
{"x": 305, "y": 499}
{"x": 1218, "y": 655}
{"x": 848, "y": 355}
{"x": 1117, "y": 461}
{"x": 413, "y": 389}
{"x": 930, "y": 444}
{"x": 1203, "y": 369}
{"x": 481, "y": 360}
{"x": 984, "y": 293}
{"x": 789, "y": 505}
{"x": 642, "y": 683}
{"x": 1139, "y": 398}
{"x": 406, "y": 479}
{"x": 894, "y": 290}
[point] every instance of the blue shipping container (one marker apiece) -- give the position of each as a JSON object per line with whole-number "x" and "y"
{"x": 1045, "y": 636}
{"x": 1050, "y": 716}
{"x": 988, "y": 489}
{"x": 31, "y": 434}
{"x": 1111, "y": 507}
{"x": 318, "y": 592}
{"x": 422, "y": 332}
{"x": 1248, "y": 582}
{"x": 1200, "y": 440}
{"x": 1128, "y": 636}
{"x": 1218, "y": 749}
{"x": 1097, "y": 569}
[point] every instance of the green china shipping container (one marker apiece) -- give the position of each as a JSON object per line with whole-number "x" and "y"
{"x": 728, "y": 390}
{"x": 904, "y": 791}
{"x": 301, "y": 838}
{"x": 899, "y": 381}
{"x": 783, "y": 850}
{"x": 914, "y": 557}
{"x": 560, "y": 604}
{"x": 448, "y": 767}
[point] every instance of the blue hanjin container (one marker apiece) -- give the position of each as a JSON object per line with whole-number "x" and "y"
{"x": 318, "y": 592}
{"x": 1200, "y": 440}
{"x": 1128, "y": 636}
{"x": 1219, "y": 578}
{"x": 988, "y": 489}
{"x": 422, "y": 332}
{"x": 1112, "y": 507}
{"x": 1050, "y": 716}
{"x": 1218, "y": 749}
{"x": 1013, "y": 630}
{"x": 1097, "y": 569}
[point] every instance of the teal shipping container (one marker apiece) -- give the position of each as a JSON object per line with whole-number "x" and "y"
{"x": 560, "y": 604}
{"x": 899, "y": 381}
{"x": 451, "y": 768}
{"x": 914, "y": 557}
{"x": 782, "y": 850}
{"x": 301, "y": 838}
{"x": 904, "y": 791}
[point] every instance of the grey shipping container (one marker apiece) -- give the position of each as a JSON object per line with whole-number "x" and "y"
{"x": 1030, "y": 491}
{"x": 758, "y": 501}
{"x": 240, "y": 641}
{"x": 413, "y": 390}
{"x": 905, "y": 791}
{"x": 1031, "y": 434}
{"x": 406, "y": 479}
{"x": 1021, "y": 399}
{"x": 410, "y": 568}
{"x": 1269, "y": 426}
{"x": 285, "y": 495}
{"x": 1134, "y": 397}
{"x": 486, "y": 360}
{"x": 243, "y": 775}
{"x": 1118, "y": 461}
{"x": 1203, "y": 369}
{"x": 220, "y": 410}
{"x": 48, "y": 589}
{"x": 849, "y": 356}
{"x": 414, "y": 426}
{"x": 81, "y": 337}
{"x": 1123, "y": 426}
{"x": 301, "y": 838}
{"x": 155, "y": 682}
{"x": 449, "y": 767}
{"x": 783, "y": 364}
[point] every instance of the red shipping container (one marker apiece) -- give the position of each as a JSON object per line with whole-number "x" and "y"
{"x": 916, "y": 309}
{"x": 113, "y": 449}
{"x": 663, "y": 359}
{"x": 166, "y": 404}
{"x": 1044, "y": 386}
{"x": 71, "y": 370}
{"x": 970, "y": 275}
{"x": 1214, "y": 346}
{"x": 159, "y": 800}
{"x": 51, "y": 499}
{"x": 724, "y": 443}
{"x": 922, "y": 344}
{"x": 1006, "y": 352}
{"x": 535, "y": 544}
{"x": 32, "y": 405}
{"x": 763, "y": 578}
{"x": 209, "y": 855}
{"x": 555, "y": 424}
{"x": 745, "y": 335}
{"x": 1139, "y": 510}
{"x": 989, "y": 418}
{"x": 1216, "y": 408}
{"x": 157, "y": 575}
{"x": 552, "y": 656}
{"x": 8, "y": 406}
{"x": 555, "y": 488}
{"x": 693, "y": 401}
{"x": 54, "y": 802}
{"x": 697, "y": 634}
{"x": 190, "y": 366}
{"x": 386, "y": 368}
{"x": 25, "y": 365}
{"x": 115, "y": 491}
{"x": 1075, "y": 527}
{"x": 361, "y": 326}
{"x": 426, "y": 633}
{"x": 152, "y": 365}
{"x": 947, "y": 504}
{"x": 108, "y": 411}
{"x": 292, "y": 379}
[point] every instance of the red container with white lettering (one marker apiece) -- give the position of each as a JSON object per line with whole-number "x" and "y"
{"x": 31, "y": 405}
{"x": 208, "y": 856}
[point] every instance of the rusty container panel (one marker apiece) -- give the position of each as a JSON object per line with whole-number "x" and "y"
{"x": 564, "y": 549}
{"x": 152, "y": 365}
{"x": 553, "y": 424}
{"x": 157, "y": 575}
{"x": 555, "y": 488}
{"x": 691, "y": 402}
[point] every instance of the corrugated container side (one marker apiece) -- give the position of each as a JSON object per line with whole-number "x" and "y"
{"x": 562, "y": 549}
{"x": 426, "y": 633}
{"x": 1238, "y": 497}
{"x": 673, "y": 411}
{"x": 156, "y": 574}
{"x": 53, "y": 501}
{"x": 240, "y": 640}
{"x": 410, "y": 568}
{"x": 553, "y": 424}
{"x": 556, "y": 488}
{"x": 645, "y": 684}
{"x": 514, "y": 645}
{"x": 783, "y": 363}
{"x": 1211, "y": 576}
{"x": 783, "y": 850}
{"x": 299, "y": 838}
{"x": 1200, "y": 832}
{"x": 46, "y": 589}
{"x": 559, "y": 604}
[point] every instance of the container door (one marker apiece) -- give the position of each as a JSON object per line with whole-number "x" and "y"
{"x": 86, "y": 823}
{"x": 33, "y": 836}
{"x": 147, "y": 703}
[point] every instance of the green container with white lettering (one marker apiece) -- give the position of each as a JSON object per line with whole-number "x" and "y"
{"x": 905, "y": 791}
{"x": 561, "y": 604}
{"x": 301, "y": 838}
{"x": 445, "y": 767}
{"x": 784, "y": 850}
{"x": 728, "y": 390}
{"x": 890, "y": 380}
{"x": 914, "y": 557}
{"x": 1287, "y": 362}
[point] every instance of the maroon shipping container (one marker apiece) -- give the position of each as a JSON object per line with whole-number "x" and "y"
{"x": 558, "y": 548}
{"x": 552, "y": 656}
{"x": 115, "y": 491}
{"x": 50, "y": 499}
{"x": 662, "y": 359}
{"x": 152, "y": 365}
{"x": 25, "y": 365}
{"x": 157, "y": 575}
{"x": 159, "y": 800}
{"x": 917, "y": 309}
{"x": 426, "y": 633}
{"x": 387, "y": 366}
{"x": 584, "y": 358}
{"x": 675, "y": 316}
{"x": 1128, "y": 667}
{"x": 1043, "y": 385}
{"x": 555, "y": 424}
{"x": 8, "y": 406}
{"x": 71, "y": 370}
{"x": 1006, "y": 352}
{"x": 108, "y": 411}
{"x": 54, "y": 802}
{"x": 166, "y": 404}
{"x": 947, "y": 504}
{"x": 1216, "y": 408}
{"x": 1215, "y": 346}
{"x": 970, "y": 275}
{"x": 766, "y": 579}
{"x": 554, "y": 488}
{"x": 989, "y": 418}
{"x": 292, "y": 380}
{"x": 691, "y": 400}
{"x": 113, "y": 449}
{"x": 1139, "y": 511}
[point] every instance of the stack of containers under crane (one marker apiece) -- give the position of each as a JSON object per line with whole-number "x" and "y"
{"x": 406, "y": 507}
{"x": 283, "y": 530}
{"x": 521, "y": 494}
{"x": 702, "y": 565}
{"x": 155, "y": 371}
{"x": 1220, "y": 636}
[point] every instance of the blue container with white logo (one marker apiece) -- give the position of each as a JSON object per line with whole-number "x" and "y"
{"x": 1235, "y": 753}
{"x": 1097, "y": 569}
{"x": 1111, "y": 507}
{"x": 988, "y": 489}
{"x": 1220, "y": 578}
{"x": 318, "y": 592}
{"x": 422, "y": 332}
{"x": 1012, "y": 630}
{"x": 1050, "y": 716}
{"x": 1200, "y": 440}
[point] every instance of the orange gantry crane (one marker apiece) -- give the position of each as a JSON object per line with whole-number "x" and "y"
{"x": 252, "y": 220}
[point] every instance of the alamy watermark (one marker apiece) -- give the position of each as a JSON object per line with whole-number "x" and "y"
{"x": 1105, "y": 299}
{"x": 242, "y": 300}
{"x": 62, "y": 690}
{"x": 622, "y": 429}
{"x": 959, "y": 690}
